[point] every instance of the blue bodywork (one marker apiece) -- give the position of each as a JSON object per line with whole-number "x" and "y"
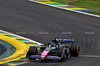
{"x": 49, "y": 48}
{"x": 53, "y": 48}
{"x": 53, "y": 57}
{"x": 34, "y": 56}
{"x": 63, "y": 40}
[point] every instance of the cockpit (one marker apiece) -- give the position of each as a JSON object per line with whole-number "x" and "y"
{"x": 53, "y": 44}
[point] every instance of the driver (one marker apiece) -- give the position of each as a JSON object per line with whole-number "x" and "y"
{"x": 53, "y": 45}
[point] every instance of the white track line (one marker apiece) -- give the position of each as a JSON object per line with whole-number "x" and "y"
{"x": 93, "y": 56}
{"x": 21, "y": 37}
{"x": 19, "y": 63}
{"x": 67, "y": 9}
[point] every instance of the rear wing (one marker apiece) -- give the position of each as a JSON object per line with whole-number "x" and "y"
{"x": 63, "y": 40}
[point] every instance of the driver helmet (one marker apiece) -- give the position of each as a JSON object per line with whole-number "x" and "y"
{"x": 53, "y": 45}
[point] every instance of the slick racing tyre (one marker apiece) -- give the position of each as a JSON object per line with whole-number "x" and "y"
{"x": 74, "y": 50}
{"x": 63, "y": 54}
{"x": 32, "y": 51}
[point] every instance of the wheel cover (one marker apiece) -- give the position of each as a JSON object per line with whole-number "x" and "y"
{"x": 65, "y": 55}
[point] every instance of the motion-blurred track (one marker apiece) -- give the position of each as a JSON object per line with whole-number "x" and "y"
{"x": 42, "y": 23}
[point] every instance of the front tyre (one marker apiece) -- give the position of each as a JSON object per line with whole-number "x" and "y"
{"x": 63, "y": 54}
{"x": 32, "y": 51}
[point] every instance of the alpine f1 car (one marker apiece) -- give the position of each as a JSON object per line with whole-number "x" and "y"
{"x": 58, "y": 49}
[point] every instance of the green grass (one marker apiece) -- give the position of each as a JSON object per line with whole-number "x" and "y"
{"x": 93, "y": 5}
{"x": 94, "y": 12}
{"x": 62, "y": 1}
{"x": 90, "y": 4}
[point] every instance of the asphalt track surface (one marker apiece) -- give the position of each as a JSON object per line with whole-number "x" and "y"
{"x": 43, "y": 23}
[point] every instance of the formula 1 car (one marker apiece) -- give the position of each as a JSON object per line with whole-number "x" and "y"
{"x": 58, "y": 49}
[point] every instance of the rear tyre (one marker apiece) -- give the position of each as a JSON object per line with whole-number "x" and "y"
{"x": 32, "y": 51}
{"x": 74, "y": 50}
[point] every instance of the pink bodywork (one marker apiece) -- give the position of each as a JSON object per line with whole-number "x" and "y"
{"x": 44, "y": 53}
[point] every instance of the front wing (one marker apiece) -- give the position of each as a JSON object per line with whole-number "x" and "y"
{"x": 47, "y": 57}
